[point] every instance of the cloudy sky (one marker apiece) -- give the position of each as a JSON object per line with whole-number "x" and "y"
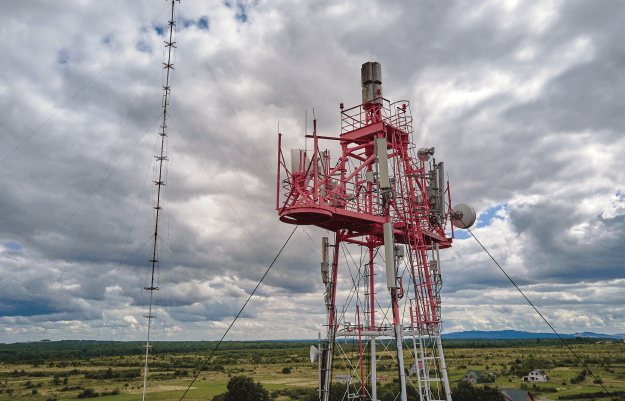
{"x": 523, "y": 100}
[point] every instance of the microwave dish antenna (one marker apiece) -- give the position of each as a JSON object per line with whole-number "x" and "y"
{"x": 463, "y": 216}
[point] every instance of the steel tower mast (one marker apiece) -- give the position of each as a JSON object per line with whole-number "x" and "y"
{"x": 381, "y": 192}
{"x": 160, "y": 181}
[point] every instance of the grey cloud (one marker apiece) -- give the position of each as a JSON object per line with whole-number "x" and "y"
{"x": 527, "y": 140}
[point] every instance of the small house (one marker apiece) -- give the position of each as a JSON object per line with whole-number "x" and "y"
{"x": 535, "y": 376}
{"x": 414, "y": 371}
{"x": 473, "y": 376}
{"x": 516, "y": 395}
{"x": 477, "y": 376}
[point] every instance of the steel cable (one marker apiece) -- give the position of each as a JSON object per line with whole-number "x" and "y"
{"x": 241, "y": 311}
{"x": 540, "y": 314}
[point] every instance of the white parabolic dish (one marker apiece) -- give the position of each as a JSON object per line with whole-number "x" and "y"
{"x": 466, "y": 216}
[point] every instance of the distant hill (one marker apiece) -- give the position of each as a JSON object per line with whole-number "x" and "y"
{"x": 521, "y": 335}
{"x": 595, "y": 335}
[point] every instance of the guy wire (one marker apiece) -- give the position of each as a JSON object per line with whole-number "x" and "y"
{"x": 238, "y": 314}
{"x": 540, "y": 314}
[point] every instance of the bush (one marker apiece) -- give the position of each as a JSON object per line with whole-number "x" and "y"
{"x": 599, "y": 394}
{"x": 301, "y": 394}
{"x": 467, "y": 392}
{"x": 88, "y": 393}
{"x": 35, "y": 391}
{"x": 241, "y": 388}
{"x": 286, "y": 370}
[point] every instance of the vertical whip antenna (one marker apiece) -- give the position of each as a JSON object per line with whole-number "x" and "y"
{"x": 160, "y": 182}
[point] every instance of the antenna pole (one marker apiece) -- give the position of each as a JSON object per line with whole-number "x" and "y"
{"x": 160, "y": 183}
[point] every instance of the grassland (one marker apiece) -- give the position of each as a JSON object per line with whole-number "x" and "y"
{"x": 119, "y": 377}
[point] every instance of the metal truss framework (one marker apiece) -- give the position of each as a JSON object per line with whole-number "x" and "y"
{"x": 381, "y": 192}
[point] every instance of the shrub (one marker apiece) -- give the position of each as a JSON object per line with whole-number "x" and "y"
{"x": 286, "y": 370}
{"x": 35, "y": 391}
{"x": 241, "y": 388}
{"x": 88, "y": 393}
{"x": 466, "y": 392}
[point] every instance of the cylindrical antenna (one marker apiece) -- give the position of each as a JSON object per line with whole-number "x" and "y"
{"x": 371, "y": 79}
{"x": 306, "y": 131}
{"x": 441, "y": 189}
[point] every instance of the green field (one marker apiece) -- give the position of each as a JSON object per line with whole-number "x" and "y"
{"x": 67, "y": 370}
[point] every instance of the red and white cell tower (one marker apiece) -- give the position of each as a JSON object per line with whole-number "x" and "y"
{"x": 381, "y": 192}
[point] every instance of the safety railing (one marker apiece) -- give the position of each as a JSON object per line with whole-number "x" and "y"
{"x": 397, "y": 114}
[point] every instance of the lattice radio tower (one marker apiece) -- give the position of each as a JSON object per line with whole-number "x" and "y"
{"x": 381, "y": 192}
{"x": 159, "y": 181}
